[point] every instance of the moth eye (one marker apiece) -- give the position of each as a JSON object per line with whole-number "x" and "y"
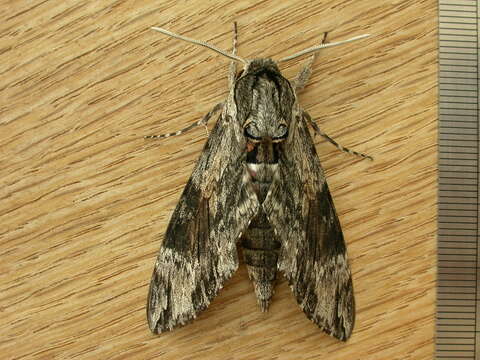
{"x": 282, "y": 131}
{"x": 251, "y": 131}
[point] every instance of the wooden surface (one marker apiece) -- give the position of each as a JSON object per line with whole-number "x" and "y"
{"x": 84, "y": 196}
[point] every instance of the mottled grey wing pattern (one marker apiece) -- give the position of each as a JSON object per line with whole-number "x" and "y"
{"x": 313, "y": 254}
{"x": 199, "y": 249}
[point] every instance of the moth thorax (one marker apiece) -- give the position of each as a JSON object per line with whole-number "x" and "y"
{"x": 265, "y": 121}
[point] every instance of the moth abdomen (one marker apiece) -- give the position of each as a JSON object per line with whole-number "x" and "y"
{"x": 260, "y": 252}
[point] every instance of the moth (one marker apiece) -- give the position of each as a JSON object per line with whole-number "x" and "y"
{"x": 259, "y": 184}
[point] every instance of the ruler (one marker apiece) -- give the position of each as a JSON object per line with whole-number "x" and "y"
{"x": 458, "y": 290}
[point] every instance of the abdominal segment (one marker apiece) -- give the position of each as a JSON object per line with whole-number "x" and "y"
{"x": 259, "y": 243}
{"x": 260, "y": 251}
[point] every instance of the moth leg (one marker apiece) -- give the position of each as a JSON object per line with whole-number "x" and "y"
{"x": 202, "y": 121}
{"x": 233, "y": 64}
{"x": 303, "y": 75}
{"x": 331, "y": 141}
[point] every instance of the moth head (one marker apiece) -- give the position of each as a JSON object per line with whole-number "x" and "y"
{"x": 264, "y": 101}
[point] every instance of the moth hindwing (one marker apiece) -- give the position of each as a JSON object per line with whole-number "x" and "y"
{"x": 259, "y": 184}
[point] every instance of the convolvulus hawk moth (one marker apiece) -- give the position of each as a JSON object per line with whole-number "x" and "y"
{"x": 258, "y": 182}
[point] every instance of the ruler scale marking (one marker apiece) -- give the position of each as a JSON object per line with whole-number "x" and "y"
{"x": 477, "y": 283}
{"x": 458, "y": 284}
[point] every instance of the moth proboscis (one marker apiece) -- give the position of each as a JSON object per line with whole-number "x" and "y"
{"x": 258, "y": 183}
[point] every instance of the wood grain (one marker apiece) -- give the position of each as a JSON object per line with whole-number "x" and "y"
{"x": 83, "y": 196}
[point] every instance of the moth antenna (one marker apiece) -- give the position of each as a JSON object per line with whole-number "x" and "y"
{"x": 322, "y": 46}
{"x": 201, "y": 43}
